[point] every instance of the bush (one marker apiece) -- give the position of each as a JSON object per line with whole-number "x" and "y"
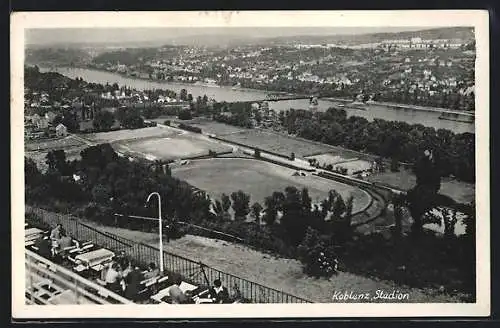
{"x": 318, "y": 260}
{"x": 185, "y": 115}
{"x": 190, "y": 128}
{"x": 166, "y": 122}
{"x": 394, "y": 165}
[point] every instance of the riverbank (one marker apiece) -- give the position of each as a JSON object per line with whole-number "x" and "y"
{"x": 277, "y": 92}
{"x": 229, "y": 94}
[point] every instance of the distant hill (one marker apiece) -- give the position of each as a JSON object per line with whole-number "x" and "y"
{"x": 231, "y": 39}
{"x": 463, "y": 33}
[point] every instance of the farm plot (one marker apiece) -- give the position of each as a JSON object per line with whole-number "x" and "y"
{"x": 277, "y": 143}
{"x": 170, "y": 148}
{"x": 51, "y": 144}
{"x": 329, "y": 158}
{"x": 260, "y": 179}
{"x": 351, "y": 164}
{"x": 213, "y": 127}
{"x": 122, "y": 135}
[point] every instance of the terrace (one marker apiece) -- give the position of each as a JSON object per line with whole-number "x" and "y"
{"x": 91, "y": 253}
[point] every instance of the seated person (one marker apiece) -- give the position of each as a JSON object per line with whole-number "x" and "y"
{"x": 122, "y": 259}
{"x": 153, "y": 271}
{"x": 127, "y": 268}
{"x": 176, "y": 294}
{"x": 219, "y": 293}
{"x": 55, "y": 234}
{"x": 133, "y": 283}
{"x": 113, "y": 278}
{"x": 235, "y": 296}
{"x": 64, "y": 242}
{"x": 43, "y": 246}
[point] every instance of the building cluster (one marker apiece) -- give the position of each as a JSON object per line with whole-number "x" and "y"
{"x": 46, "y": 115}
{"x": 387, "y": 66}
{"x": 419, "y": 43}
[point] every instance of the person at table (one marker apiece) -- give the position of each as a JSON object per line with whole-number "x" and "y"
{"x": 235, "y": 296}
{"x": 65, "y": 241}
{"x": 43, "y": 246}
{"x": 55, "y": 234}
{"x": 219, "y": 293}
{"x": 127, "y": 268}
{"x": 133, "y": 283}
{"x": 152, "y": 272}
{"x": 113, "y": 278}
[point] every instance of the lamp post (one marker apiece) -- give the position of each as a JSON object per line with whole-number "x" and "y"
{"x": 160, "y": 226}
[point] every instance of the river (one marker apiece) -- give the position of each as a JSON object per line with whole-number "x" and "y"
{"x": 229, "y": 94}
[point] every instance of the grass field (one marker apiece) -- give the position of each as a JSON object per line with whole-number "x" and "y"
{"x": 205, "y": 124}
{"x": 122, "y": 135}
{"x": 170, "y": 148}
{"x": 259, "y": 179}
{"x": 277, "y": 143}
{"x": 50, "y": 144}
{"x": 461, "y": 192}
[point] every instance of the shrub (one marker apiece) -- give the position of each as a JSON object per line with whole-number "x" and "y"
{"x": 185, "y": 115}
{"x": 190, "y": 128}
{"x": 166, "y": 122}
{"x": 318, "y": 260}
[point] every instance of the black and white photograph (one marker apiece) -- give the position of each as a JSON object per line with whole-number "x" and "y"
{"x": 250, "y": 164}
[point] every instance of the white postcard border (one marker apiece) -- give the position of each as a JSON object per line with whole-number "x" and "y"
{"x": 474, "y": 18}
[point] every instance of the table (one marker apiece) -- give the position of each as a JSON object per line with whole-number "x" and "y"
{"x": 32, "y": 234}
{"x": 96, "y": 257}
{"x": 161, "y": 294}
{"x": 184, "y": 286}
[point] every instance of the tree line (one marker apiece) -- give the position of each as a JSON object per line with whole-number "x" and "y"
{"x": 455, "y": 153}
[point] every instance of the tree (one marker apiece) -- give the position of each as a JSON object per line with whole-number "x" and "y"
{"x": 217, "y": 207}
{"x": 183, "y": 95}
{"x": 424, "y": 195}
{"x": 398, "y": 202}
{"x": 394, "y": 165}
{"x": 56, "y": 160}
{"x": 103, "y": 120}
{"x": 70, "y": 122}
{"x": 256, "y": 210}
{"x": 273, "y": 203}
{"x": 241, "y": 204}
{"x": 226, "y": 202}
{"x": 185, "y": 114}
{"x": 295, "y": 217}
{"x": 133, "y": 121}
{"x": 31, "y": 172}
{"x": 190, "y": 98}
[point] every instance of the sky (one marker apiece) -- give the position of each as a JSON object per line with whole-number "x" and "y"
{"x": 127, "y": 35}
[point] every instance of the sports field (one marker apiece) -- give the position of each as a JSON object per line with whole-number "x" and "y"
{"x": 170, "y": 148}
{"x": 259, "y": 179}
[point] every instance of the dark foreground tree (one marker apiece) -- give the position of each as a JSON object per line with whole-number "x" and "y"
{"x": 241, "y": 204}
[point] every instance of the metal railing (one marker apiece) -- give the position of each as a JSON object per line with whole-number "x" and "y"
{"x": 191, "y": 271}
{"x": 49, "y": 283}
